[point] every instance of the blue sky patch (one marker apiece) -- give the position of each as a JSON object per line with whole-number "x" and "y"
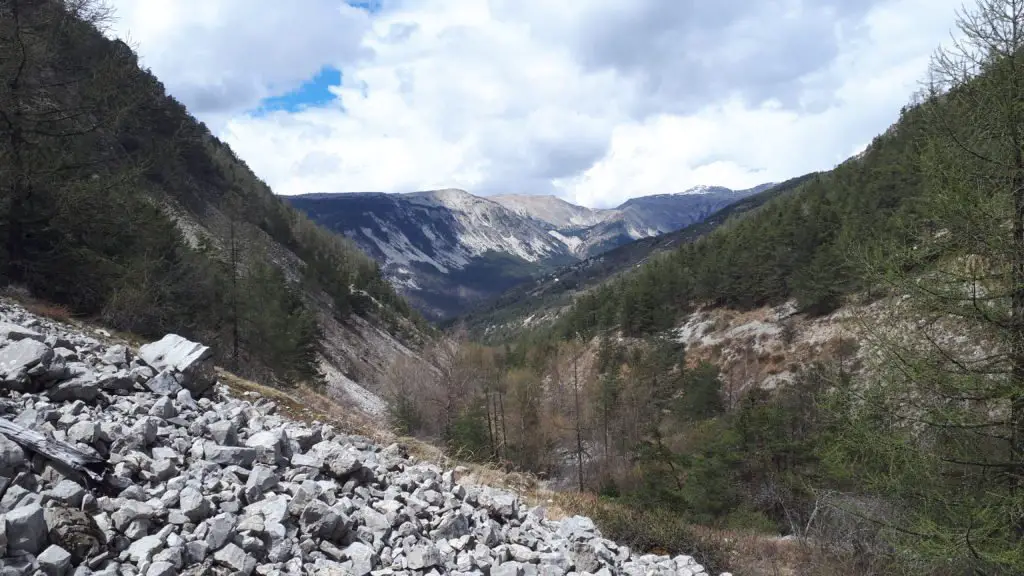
{"x": 313, "y": 92}
{"x": 371, "y": 6}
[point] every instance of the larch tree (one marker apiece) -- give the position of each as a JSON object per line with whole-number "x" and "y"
{"x": 942, "y": 433}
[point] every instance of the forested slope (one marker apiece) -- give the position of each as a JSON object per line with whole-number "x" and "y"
{"x": 524, "y": 306}
{"x": 798, "y": 245}
{"x": 118, "y": 204}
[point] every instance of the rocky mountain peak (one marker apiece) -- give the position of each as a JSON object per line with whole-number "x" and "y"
{"x": 553, "y": 210}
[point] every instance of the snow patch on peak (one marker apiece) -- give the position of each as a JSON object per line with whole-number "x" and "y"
{"x": 704, "y": 189}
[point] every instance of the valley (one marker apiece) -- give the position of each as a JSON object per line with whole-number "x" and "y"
{"x": 200, "y": 374}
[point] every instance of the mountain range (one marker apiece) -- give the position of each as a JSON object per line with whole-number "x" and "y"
{"x": 540, "y": 300}
{"x": 448, "y": 250}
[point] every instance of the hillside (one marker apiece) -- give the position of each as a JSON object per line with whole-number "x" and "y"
{"x": 439, "y": 249}
{"x": 448, "y": 250}
{"x": 796, "y": 240}
{"x": 120, "y": 205}
{"x": 539, "y": 302}
{"x": 212, "y": 479}
{"x": 823, "y": 377}
{"x": 804, "y": 244}
{"x": 842, "y": 366}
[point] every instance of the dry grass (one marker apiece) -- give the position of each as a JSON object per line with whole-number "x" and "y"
{"x": 647, "y": 531}
{"x": 531, "y": 490}
{"x": 758, "y": 554}
{"x": 56, "y": 312}
{"x": 286, "y": 403}
{"x": 755, "y": 554}
{"x": 303, "y": 404}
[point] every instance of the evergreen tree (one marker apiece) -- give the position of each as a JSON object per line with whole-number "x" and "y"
{"x": 945, "y": 427}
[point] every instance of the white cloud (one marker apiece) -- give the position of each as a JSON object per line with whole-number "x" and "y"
{"x": 223, "y": 56}
{"x": 596, "y": 100}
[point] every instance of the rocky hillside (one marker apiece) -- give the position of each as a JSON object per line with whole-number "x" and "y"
{"x": 442, "y": 250}
{"x": 123, "y": 462}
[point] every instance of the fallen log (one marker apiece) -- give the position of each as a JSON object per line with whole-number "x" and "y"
{"x": 62, "y": 453}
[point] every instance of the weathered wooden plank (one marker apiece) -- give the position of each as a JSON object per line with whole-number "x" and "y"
{"x": 61, "y": 452}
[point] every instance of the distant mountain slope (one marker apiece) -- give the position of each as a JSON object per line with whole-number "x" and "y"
{"x": 532, "y": 302}
{"x": 448, "y": 250}
{"x": 443, "y": 249}
{"x": 662, "y": 213}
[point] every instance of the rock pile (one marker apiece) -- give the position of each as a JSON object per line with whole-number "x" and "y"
{"x": 218, "y": 485}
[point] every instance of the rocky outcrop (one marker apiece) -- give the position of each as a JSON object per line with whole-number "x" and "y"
{"x": 218, "y": 485}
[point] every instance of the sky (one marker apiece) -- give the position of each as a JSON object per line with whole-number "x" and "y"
{"x": 595, "y": 101}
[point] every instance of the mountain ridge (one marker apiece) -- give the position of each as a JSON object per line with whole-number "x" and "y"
{"x": 447, "y": 250}
{"x": 541, "y": 300}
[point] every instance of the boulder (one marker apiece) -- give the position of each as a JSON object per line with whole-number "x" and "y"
{"x": 224, "y": 433}
{"x": 362, "y": 557}
{"x": 424, "y": 556}
{"x": 220, "y": 530}
{"x": 85, "y": 387}
{"x": 508, "y": 569}
{"x": 19, "y": 359}
{"x": 161, "y": 569}
{"x": 191, "y": 362}
{"x": 577, "y": 528}
{"x": 143, "y": 549}
{"x": 164, "y": 383}
{"x": 236, "y": 559}
{"x": 270, "y": 446}
{"x": 229, "y": 455}
{"x": 84, "y": 431}
{"x": 500, "y": 504}
{"x": 261, "y": 480}
{"x": 584, "y": 557}
{"x": 163, "y": 408}
{"x": 193, "y": 504}
{"x": 54, "y": 561}
{"x": 116, "y": 355}
{"x": 26, "y": 529}
{"x": 11, "y": 456}
{"x": 320, "y": 521}
{"x": 13, "y": 333}
{"x": 68, "y": 493}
